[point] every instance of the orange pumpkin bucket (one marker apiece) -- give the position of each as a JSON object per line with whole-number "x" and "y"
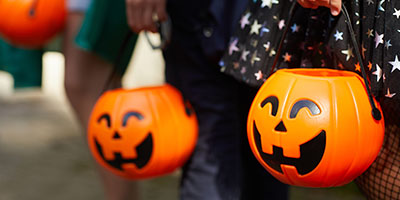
{"x": 142, "y": 133}
{"x": 313, "y": 127}
{"x": 31, "y": 23}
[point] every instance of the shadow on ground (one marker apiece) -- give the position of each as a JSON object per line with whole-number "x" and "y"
{"x": 43, "y": 156}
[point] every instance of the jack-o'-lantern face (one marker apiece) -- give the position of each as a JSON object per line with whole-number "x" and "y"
{"x": 311, "y": 152}
{"x": 118, "y": 139}
{"x": 142, "y": 132}
{"x": 310, "y": 127}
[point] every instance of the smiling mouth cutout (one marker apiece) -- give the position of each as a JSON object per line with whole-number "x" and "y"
{"x": 144, "y": 151}
{"x": 311, "y": 154}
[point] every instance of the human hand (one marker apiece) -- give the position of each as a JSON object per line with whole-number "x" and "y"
{"x": 142, "y": 14}
{"x": 334, "y": 5}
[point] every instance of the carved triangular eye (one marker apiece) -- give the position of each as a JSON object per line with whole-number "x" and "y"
{"x": 273, "y": 100}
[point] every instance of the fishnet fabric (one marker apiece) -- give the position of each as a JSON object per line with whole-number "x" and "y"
{"x": 382, "y": 180}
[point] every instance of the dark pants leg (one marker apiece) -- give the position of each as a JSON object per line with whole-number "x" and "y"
{"x": 222, "y": 166}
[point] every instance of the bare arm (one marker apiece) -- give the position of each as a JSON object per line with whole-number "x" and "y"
{"x": 141, "y": 13}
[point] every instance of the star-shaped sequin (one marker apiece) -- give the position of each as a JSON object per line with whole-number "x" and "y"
{"x": 369, "y": 66}
{"x": 378, "y": 39}
{"x": 268, "y": 3}
{"x": 348, "y": 53}
{"x": 272, "y": 52}
{"x": 305, "y": 63}
{"x": 370, "y": 33}
{"x": 363, "y": 50}
{"x": 258, "y": 75}
{"x": 395, "y": 64}
{"x": 243, "y": 70}
{"x": 244, "y": 55}
{"x": 387, "y": 44}
{"x": 221, "y": 63}
{"x": 378, "y": 73}
{"x": 245, "y": 20}
{"x": 338, "y": 35}
{"x": 264, "y": 30}
{"x": 396, "y": 13}
{"x": 287, "y": 57}
{"x": 380, "y": 7}
{"x": 236, "y": 65}
{"x": 254, "y": 58}
{"x": 358, "y": 67}
{"x": 295, "y": 28}
{"x": 233, "y": 47}
{"x": 267, "y": 46}
{"x": 281, "y": 24}
{"x": 389, "y": 95}
{"x": 255, "y": 27}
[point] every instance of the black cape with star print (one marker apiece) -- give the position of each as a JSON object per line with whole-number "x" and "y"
{"x": 317, "y": 39}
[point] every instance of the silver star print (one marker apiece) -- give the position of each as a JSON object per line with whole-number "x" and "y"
{"x": 264, "y": 30}
{"x": 389, "y": 95}
{"x": 287, "y": 57}
{"x": 245, "y": 20}
{"x": 387, "y": 44}
{"x": 267, "y": 46}
{"x": 363, "y": 50}
{"x": 233, "y": 47}
{"x": 378, "y": 39}
{"x": 396, "y": 13}
{"x": 348, "y": 52}
{"x": 370, "y": 2}
{"x": 295, "y": 28}
{"x": 272, "y": 52}
{"x": 281, "y": 24}
{"x": 243, "y": 70}
{"x": 268, "y": 3}
{"x": 258, "y": 75}
{"x": 244, "y": 55}
{"x": 254, "y": 58}
{"x": 255, "y": 28}
{"x": 338, "y": 35}
{"x": 395, "y": 64}
{"x": 380, "y": 6}
{"x": 378, "y": 73}
{"x": 370, "y": 33}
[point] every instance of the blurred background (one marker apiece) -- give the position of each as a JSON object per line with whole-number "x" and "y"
{"x": 43, "y": 154}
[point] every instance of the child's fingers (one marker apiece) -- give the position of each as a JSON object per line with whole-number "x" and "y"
{"x": 333, "y": 5}
{"x": 308, "y": 3}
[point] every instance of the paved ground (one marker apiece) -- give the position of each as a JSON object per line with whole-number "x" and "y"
{"x": 43, "y": 154}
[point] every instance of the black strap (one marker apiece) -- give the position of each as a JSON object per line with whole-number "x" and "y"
{"x": 281, "y": 41}
{"x": 376, "y": 114}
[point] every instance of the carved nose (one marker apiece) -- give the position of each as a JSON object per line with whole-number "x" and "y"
{"x": 116, "y": 135}
{"x": 281, "y": 127}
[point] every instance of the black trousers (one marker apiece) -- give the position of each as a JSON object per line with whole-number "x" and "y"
{"x": 222, "y": 166}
